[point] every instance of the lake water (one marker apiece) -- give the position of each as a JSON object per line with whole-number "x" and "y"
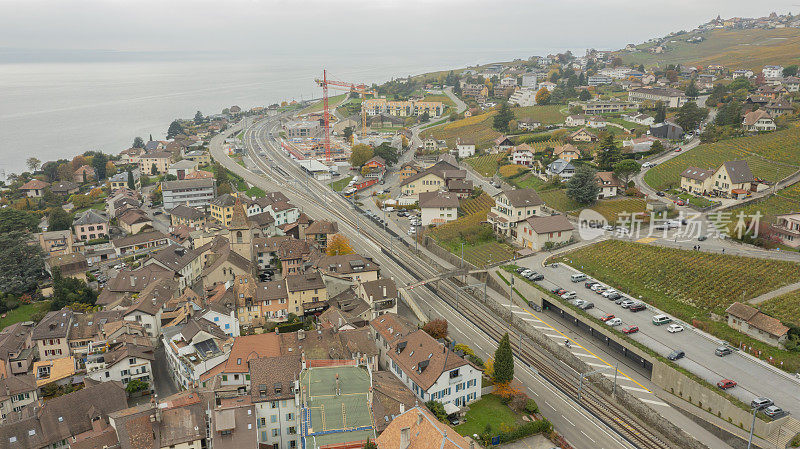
{"x": 55, "y": 110}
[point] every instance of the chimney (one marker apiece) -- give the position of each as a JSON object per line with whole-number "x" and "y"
{"x": 402, "y": 408}
{"x": 133, "y": 281}
{"x": 384, "y": 291}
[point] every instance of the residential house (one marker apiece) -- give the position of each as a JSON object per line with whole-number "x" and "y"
{"x": 477, "y": 91}
{"x": 438, "y": 207}
{"x": 154, "y": 163}
{"x": 529, "y": 124}
{"x": 51, "y": 334}
{"x": 408, "y": 170}
{"x": 522, "y": 155}
{"x": 193, "y": 350}
{"x": 182, "y": 168}
{"x": 199, "y": 156}
{"x": 696, "y": 180}
{"x": 197, "y": 193}
{"x": 778, "y": 107}
{"x": 320, "y": 232}
{"x": 381, "y": 295}
{"x": 120, "y": 180}
{"x": 148, "y": 307}
{"x": 792, "y": 84}
{"x": 186, "y": 264}
{"x": 17, "y": 350}
{"x": 465, "y": 148}
{"x": 221, "y": 208}
{"x": 144, "y": 242}
{"x": 16, "y": 392}
{"x": 503, "y": 143}
{"x": 432, "y": 371}
{"x": 666, "y": 130}
{"x": 376, "y": 167}
{"x": 177, "y": 421}
{"x": 84, "y": 174}
{"x": 304, "y": 289}
{"x": 131, "y": 155}
{"x": 610, "y": 185}
{"x": 34, "y": 188}
{"x": 72, "y": 265}
{"x": 538, "y": 232}
{"x": 772, "y": 71}
{"x": 183, "y": 215}
{"x": 567, "y": 152}
{"x": 56, "y": 242}
{"x": 123, "y": 363}
{"x": 418, "y": 428}
{"x": 134, "y": 221}
{"x": 234, "y": 375}
{"x": 575, "y": 120}
{"x": 596, "y": 121}
{"x": 432, "y": 179}
{"x": 523, "y": 97}
{"x": 234, "y": 424}
{"x": 511, "y": 208}
{"x": 390, "y": 399}
{"x": 64, "y": 188}
{"x": 90, "y": 225}
{"x": 351, "y": 266}
{"x": 732, "y": 178}
{"x": 758, "y": 120}
{"x": 749, "y": 320}
{"x": 583, "y": 135}
{"x": 672, "y": 98}
{"x": 787, "y": 229}
{"x": 275, "y": 398}
{"x": 561, "y": 168}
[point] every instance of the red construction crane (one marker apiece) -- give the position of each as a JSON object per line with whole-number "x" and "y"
{"x": 339, "y": 85}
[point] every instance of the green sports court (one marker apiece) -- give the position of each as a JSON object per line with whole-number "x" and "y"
{"x": 335, "y": 405}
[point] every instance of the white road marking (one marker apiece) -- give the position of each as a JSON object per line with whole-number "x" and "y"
{"x": 583, "y": 354}
{"x": 541, "y": 327}
{"x": 555, "y": 335}
{"x": 587, "y": 436}
{"x": 596, "y": 364}
{"x": 567, "y": 420}
{"x": 637, "y": 389}
{"x": 650, "y": 401}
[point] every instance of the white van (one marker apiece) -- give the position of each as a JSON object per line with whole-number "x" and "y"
{"x": 578, "y": 277}
{"x": 658, "y": 320}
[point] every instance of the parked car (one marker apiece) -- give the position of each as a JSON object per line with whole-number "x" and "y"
{"x": 569, "y": 295}
{"x": 680, "y": 203}
{"x": 761, "y": 402}
{"x": 537, "y": 277}
{"x": 600, "y": 290}
{"x": 531, "y": 274}
{"x": 613, "y": 322}
{"x": 520, "y": 270}
{"x": 620, "y": 300}
{"x": 577, "y": 302}
{"x": 595, "y": 286}
{"x": 587, "y": 305}
{"x": 526, "y": 272}
{"x": 773, "y": 411}
{"x": 726, "y": 383}
{"x": 660, "y": 193}
{"x": 555, "y": 290}
{"x": 678, "y": 150}
{"x": 589, "y": 284}
{"x": 673, "y": 328}
{"x": 608, "y": 293}
{"x": 630, "y": 329}
{"x": 614, "y": 296}
{"x": 627, "y": 303}
{"x": 561, "y": 291}
{"x": 722, "y": 351}
{"x": 658, "y": 320}
{"x": 638, "y": 307}
{"x": 607, "y": 317}
{"x": 676, "y": 354}
{"x": 702, "y": 238}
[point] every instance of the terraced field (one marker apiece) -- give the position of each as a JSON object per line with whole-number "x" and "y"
{"x": 541, "y": 146}
{"x": 781, "y": 146}
{"x": 486, "y": 164}
{"x": 612, "y": 208}
{"x": 787, "y": 201}
{"x": 558, "y": 199}
{"x": 785, "y": 308}
{"x": 488, "y": 253}
{"x": 481, "y": 204}
{"x": 478, "y": 128}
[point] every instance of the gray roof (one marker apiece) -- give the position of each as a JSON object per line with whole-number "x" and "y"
{"x": 54, "y": 325}
{"x": 438, "y": 199}
{"x": 523, "y": 197}
{"x": 553, "y": 223}
{"x": 91, "y": 216}
{"x": 184, "y": 211}
{"x": 739, "y": 172}
{"x": 224, "y": 200}
{"x": 697, "y": 173}
{"x": 201, "y": 183}
{"x": 183, "y": 164}
{"x": 558, "y": 166}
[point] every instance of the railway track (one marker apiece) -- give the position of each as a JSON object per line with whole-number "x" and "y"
{"x": 470, "y": 307}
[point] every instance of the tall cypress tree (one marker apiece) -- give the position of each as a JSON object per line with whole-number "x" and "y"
{"x": 503, "y": 362}
{"x": 131, "y": 181}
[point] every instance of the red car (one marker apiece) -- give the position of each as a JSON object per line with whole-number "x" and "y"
{"x": 726, "y": 383}
{"x": 680, "y": 203}
{"x": 678, "y": 150}
{"x": 630, "y": 329}
{"x": 607, "y": 317}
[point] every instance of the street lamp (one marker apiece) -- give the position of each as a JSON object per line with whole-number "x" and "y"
{"x": 753, "y": 425}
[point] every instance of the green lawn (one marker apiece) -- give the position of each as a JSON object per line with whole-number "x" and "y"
{"x": 255, "y": 192}
{"x": 23, "y": 313}
{"x": 613, "y": 209}
{"x": 759, "y": 151}
{"x": 698, "y": 201}
{"x": 490, "y": 410}
{"x": 340, "y": 184}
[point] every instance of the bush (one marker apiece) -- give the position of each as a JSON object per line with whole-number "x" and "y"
{"x": 518, "y": 402}
{"x": 436, "y": 328}
{"x": 437, "y": 409}
{"x": 136, "y": 385}
{"x": 476, "y": 360}
{"x": 531, "y": 406}
{"x": 524, "y": 430}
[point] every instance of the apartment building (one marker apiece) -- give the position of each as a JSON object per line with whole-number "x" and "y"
{"x": 196, "y": 193}
{"x": 511, "y": 208}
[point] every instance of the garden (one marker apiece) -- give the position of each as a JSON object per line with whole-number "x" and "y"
{"x": 760, "y": 151}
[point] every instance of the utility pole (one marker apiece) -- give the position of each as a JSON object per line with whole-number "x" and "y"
{"x": 511, "y": 299}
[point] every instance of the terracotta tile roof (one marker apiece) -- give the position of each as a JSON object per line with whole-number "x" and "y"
{"x": 438, "y": 199}
{"x": 34, "y": 184}
{"x": 392, "y": 326}
{"x": 553, "y": 223}
{"x": 607, "y": 179}
{"x": 273, "y": 378}
{"x": 249, "y": 347}
{"x": 322, "y": 227}
{"x": 388, "y": 395}
{"x": 426, "y": 432}
{"x": 754, "y": 116}
{"x": 755, "y": 318}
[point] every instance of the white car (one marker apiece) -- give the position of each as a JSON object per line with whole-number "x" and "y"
{"x": 569, "y": 295}
{"x": 608, "y": 293}
{"x": 526, "y": 273}
{"x": 595, "y": 287}
{"x": 673, "y": 328}
{"x": 614, "y": 322}
{"x": 608, "y": 228}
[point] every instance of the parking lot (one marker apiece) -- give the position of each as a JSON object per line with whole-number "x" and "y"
{"x": 753, "y": 377}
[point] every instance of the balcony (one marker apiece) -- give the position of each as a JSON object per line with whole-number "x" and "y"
{"x": 456, "y": 380}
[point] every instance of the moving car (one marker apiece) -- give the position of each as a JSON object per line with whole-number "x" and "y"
{"x": 673, "y": 328}
{"x": 613, "y": 322}
{"x": 676, "y": 354}
{"x": 607, "y": 317}
{"x": 630, "y": 329}
{"x": 722, "y": 351}
{"x": 726, "y": 383}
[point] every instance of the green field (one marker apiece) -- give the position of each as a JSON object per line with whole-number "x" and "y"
{"x": 612, "y": 208}
{"x": 548, "y": 115}
{"x": 759, "y": 151}
{"x": 23, "y": 313}
{"x": 787, "y": 201}
{"x": 485, "y": 164}
{"x": 745, "y": 49}
{"x": 340, "y": 184}
{"x": 442, "y": 98}
{"x": 558, "y": 199}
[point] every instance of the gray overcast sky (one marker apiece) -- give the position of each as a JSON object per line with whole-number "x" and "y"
{"x": 355, "y": 25}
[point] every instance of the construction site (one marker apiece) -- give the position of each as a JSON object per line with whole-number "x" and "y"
{"x": 336, "y": 405}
